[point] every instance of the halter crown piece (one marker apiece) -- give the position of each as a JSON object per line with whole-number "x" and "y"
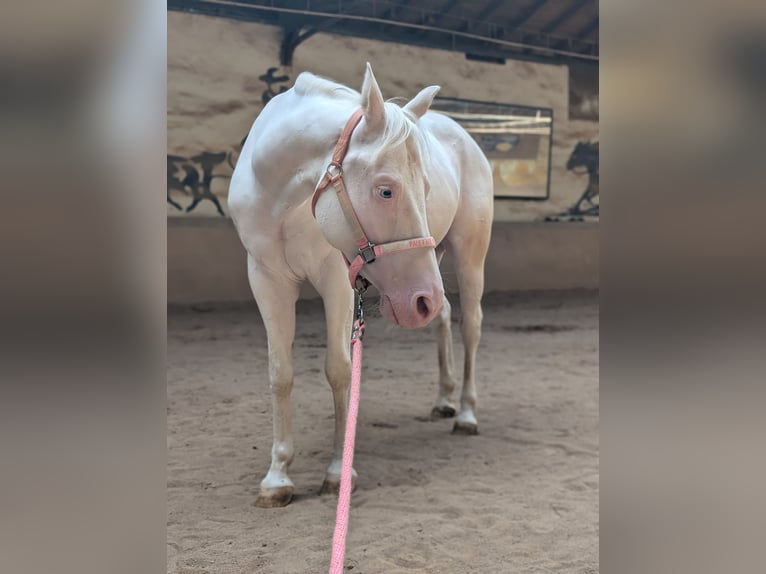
{"x": 367, "y": 250}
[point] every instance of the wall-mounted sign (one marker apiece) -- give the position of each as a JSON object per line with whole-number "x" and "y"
{"x": 516, "y": 139}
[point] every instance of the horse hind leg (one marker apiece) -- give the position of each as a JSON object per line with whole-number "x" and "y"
{"x": 276, "y": 299}
{"x": 444, "y": 407}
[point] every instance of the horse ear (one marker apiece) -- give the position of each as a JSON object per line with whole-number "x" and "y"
{"x": 373, "y": 105}
{"x": 419, "y": 105}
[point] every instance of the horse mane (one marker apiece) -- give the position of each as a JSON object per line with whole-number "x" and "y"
{"x": 402, "y": 128}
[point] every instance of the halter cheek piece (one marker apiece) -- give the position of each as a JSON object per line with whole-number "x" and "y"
{"x": 367, "y": 250}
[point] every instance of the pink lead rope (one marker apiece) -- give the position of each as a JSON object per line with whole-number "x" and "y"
{"x": 367, "y": 253}
{"x": 344, "y": 497}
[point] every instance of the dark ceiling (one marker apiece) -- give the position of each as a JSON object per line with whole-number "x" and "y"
{"x": 549, "y": 31}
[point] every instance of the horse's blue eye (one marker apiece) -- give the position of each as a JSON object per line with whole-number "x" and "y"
{"x": 386, "y": 193}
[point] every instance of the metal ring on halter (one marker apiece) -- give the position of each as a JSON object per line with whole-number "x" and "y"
{"x": 338, "y": 170}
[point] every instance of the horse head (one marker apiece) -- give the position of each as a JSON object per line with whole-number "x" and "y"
{"x": 386, "y": 179}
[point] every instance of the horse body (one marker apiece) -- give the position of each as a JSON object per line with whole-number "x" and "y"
{"x": 409, "y": 174}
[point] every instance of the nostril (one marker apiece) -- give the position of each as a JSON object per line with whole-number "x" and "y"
{"x": 423, "y": 306}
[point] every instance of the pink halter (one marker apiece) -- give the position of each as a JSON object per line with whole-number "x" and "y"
{"x": 368, "y": 251}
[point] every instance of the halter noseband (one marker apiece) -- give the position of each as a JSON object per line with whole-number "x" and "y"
{"x": 367, "y": 250}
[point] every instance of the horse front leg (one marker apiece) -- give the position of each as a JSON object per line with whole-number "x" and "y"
{"x": 470, "y": 275}
{"x": 470, "y": 326}
{"x": 338, "y": 301}
{"x": 276, "y": 298}
{"x": 444, "y": 407}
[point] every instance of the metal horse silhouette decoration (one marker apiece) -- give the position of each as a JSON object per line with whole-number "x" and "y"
{"x": 271, "y": 80}
{"x": 585, "y": 154}
{"x": 191, "y": 183}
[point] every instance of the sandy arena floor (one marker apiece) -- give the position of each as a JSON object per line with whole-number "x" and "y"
{"x": 521, "y": 497}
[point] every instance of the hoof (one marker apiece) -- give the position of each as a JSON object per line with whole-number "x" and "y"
{"x": 331, "y": 485}
{"x": 443, "y": 412}
{"x": 466, "y": 428}
{"x": 274, "y": 497}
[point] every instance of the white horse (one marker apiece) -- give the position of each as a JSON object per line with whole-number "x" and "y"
{"x": 408, "y": 174}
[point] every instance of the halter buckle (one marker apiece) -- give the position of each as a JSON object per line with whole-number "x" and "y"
{"x": 368, "y": 252}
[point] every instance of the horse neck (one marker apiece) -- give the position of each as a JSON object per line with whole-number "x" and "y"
{"x": 304, "y": 145}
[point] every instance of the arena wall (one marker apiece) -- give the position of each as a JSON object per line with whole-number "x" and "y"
{"x": 206, "y": 261}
